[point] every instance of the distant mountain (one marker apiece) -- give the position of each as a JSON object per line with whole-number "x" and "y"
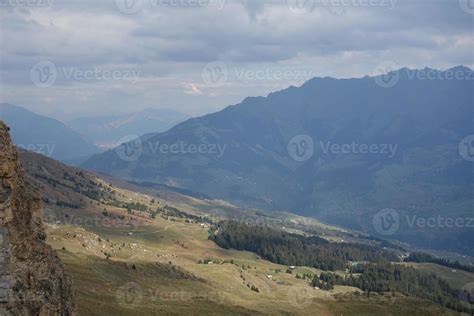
{"x": 45, "y": 135}
{"x": 106, "y": 131}
{"x": 375, "y": 153}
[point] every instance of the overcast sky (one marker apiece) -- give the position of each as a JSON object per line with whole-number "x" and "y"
{"x": 69, "y": 58}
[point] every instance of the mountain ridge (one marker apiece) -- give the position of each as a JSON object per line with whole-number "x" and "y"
{"x": 45, "y": 135}
{"x": 106, "y": 131}
{"x": 416, "y": 116}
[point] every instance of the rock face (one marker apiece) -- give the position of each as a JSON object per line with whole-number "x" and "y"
{"x": 32, "y": 278}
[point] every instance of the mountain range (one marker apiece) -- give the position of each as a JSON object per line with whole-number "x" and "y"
{"x": 140, "y": 241}
{"x": 75, "y": 141}
{"x": 342, "y": 150}
{"x": 45, "y": 135}
{"x": 106, "y": 131}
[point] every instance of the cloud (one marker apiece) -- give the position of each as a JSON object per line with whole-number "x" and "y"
{"x": 193, "y": 89}
{"x": 171, "y": 42}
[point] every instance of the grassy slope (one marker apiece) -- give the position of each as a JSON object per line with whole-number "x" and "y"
{"x": 184, "y": 285}
{"x": 167, "y": 279}
{"x": 457, "y": 278}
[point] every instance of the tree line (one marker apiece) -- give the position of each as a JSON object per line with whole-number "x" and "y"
{"x": 291, "y": 249}
{"x": 420, "y": 257}
{"x": 383, "y": 277}
{"x": 370, "y": 269}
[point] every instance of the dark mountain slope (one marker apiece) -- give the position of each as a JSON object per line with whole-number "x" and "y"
{"x": 374, "y": 148}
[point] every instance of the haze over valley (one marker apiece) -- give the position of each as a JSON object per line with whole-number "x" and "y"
{"x": 234, "y": 157}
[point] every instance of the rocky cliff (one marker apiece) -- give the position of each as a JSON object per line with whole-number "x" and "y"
{"x": 32, "y": 278}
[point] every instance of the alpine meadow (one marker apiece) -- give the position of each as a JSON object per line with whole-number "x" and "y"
{"x": 236, "y": 157}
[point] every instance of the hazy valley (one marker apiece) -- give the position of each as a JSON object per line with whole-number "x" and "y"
{"x": 146, "y": 250}
{"x": 331, "y": 149}
{"x": 236, "y": 157}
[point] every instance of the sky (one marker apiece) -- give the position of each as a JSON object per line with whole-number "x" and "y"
{"x": 74, "y": 58}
